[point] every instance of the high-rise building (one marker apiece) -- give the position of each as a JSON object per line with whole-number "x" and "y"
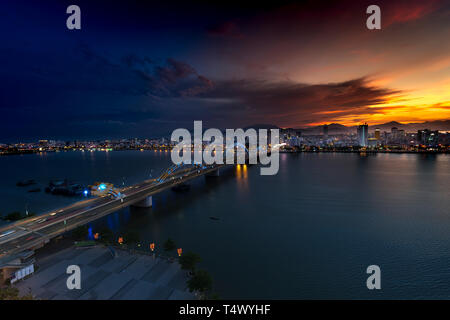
{"x": 394, "y": 134}
{"x": 363, "y": 135}
{"x": 428, "y": 137}
{"x": 377, "y": 134}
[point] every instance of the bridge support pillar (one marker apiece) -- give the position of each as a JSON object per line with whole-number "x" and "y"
{"x": 214, "y": 173}
{"x": 145, "y": 203}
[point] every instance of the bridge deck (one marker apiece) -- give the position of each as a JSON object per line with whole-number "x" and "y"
{"x": 36, "y": 231}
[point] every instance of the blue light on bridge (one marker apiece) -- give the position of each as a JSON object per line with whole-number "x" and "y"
{"x": 85, "y": 192}
{"x": 102, "y": 186}
{"x": 90, "y": 234}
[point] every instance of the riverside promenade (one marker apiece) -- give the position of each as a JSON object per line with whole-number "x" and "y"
{"x": 106, "y": 274}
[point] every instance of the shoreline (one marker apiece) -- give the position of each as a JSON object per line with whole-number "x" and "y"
{"x": 281, "y": 151}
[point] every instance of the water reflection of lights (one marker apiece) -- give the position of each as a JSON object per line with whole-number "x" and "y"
{"x": 241, "y": 171}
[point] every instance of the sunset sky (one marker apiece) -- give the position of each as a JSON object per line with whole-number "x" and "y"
{"x": 146, "y": 69}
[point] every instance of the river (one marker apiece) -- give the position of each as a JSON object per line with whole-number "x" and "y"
{"x": 308, "y": 232}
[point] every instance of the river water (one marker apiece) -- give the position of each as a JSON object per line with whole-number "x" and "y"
{"x": 308, "y": 232}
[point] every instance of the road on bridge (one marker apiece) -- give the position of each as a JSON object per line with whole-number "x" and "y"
{"x": 36, "y": 231}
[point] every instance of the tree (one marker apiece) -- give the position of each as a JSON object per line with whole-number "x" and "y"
{"x": 201, "y": 282}
{"x": 16, "y": 215}
{"x": 10, "y": 293}
{"x": 169, "y": 245}
{"x": 13, "y": 216}
{"x": 80, "y": 233}
{"x": 189, "y": 260}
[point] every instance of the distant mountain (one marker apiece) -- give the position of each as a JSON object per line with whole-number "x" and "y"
{"x": 390, "y": 124}
{"x": 336, "y": 128}
{"x": 442, "y": 125}
{"x": 333, "y": 128}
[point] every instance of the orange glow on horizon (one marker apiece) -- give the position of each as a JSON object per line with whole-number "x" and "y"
{"x": 412, "y": 110}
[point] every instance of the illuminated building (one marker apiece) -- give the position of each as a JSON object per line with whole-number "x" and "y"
{"x": 427, "y": 137}
{"x": 363, "y": 135}
{"x": 377, "y": 134}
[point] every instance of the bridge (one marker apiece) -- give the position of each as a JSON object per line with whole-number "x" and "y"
{"x": 34, "y": 232}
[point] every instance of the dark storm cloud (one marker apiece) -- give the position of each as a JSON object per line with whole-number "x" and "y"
{"x": 85, "y": 70}
{"x": 142, "y": 76}
{"x": 289, "y": 103}
{"x": 284, "y": 102}
{"x": 95, "y": 90}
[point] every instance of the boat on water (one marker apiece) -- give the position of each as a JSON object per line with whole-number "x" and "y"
{"x": 64, "y": 187}
{"x": 214, "y": 218}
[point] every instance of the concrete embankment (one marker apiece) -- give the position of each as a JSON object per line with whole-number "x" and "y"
{"x": 107, "y": 274}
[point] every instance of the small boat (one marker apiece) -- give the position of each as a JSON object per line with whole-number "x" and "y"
{"x": 35, "y": 190}
{"x": 214, "y": 218}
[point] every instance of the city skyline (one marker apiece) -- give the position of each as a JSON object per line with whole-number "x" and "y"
{"x": 146, "y": 69}
{"x": 335, "y": 128}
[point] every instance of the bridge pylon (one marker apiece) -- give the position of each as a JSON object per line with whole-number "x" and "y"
{"x": 144, "y": 203}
